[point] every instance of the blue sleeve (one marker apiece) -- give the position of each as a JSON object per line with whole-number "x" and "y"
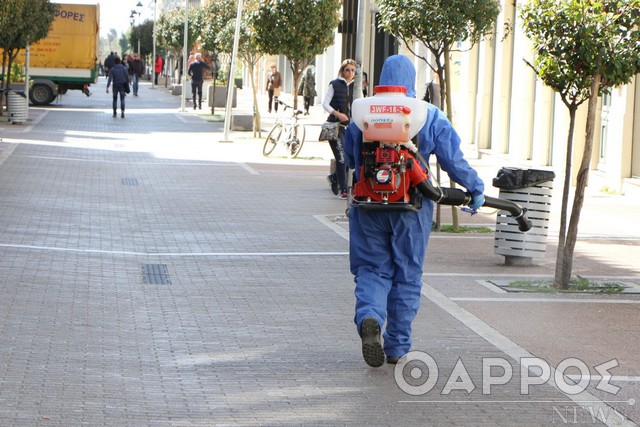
{"x": 439, "y": 137}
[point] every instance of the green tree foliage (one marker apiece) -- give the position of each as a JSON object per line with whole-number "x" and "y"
{"x": 144, "y": 33}
{"x": 299, "y": 30}
{"x": 248, "y": 50}
{"x": 439, "y": 25}
{"x": 22, "y": 22}
{"x": 170, "y": 31}
{"x": 582, "y": 48}
{"x": 212, "y": 19}
{"x": 124, "y": 44}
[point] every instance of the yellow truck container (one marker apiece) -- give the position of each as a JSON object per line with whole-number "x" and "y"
{"x": 68, "y": 57}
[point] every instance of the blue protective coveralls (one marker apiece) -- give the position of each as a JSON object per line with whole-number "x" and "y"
{"x": 387, "y": 249}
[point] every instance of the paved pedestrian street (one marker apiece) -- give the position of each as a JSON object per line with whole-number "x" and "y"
{"x": 154, "y": 274}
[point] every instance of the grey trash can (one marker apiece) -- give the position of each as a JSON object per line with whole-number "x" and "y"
{"x": 532, "y": 189}
{"x": 17, "y": 106}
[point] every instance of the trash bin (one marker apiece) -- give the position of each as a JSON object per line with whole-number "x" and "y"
{"x": 17, "y": 106}
{"x": 532, "y": 189}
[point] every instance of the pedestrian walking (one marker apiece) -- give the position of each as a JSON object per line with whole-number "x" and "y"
{"x": 158, "y": 67}
{"x": 120, "y": 77}
{"x": 196, "y": 71}
{"x": 337, "y": 102}
{"x": 387, "y": 247}
{"x": 109, "y": 62}
{"x": 135, "y": 72}
{"x": 274, "y": 81}
{"x": 308, "y": 88}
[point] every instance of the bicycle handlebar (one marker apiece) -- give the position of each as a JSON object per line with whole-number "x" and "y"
{"x": 289, "y": 106}
{"x": 458, "y": 197}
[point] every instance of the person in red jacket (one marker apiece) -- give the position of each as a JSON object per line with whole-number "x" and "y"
{"x": 158, "y": 67}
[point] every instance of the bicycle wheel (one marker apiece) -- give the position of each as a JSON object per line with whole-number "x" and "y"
{"x": 272, "y": 139}
{"x": 297, "y": 140}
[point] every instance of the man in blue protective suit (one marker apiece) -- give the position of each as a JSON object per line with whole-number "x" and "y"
{"x": 387, "y": 248}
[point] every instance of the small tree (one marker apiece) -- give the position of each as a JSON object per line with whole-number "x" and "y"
{"x": 439, "y": 25}
{"x": 22, "y": 23}
{"x": 581, "y": 50}
{"x": 144, "y": 33}
{"x": 248, "y": 50}
{"x": 213, "y": 18}
{"x": 170, "y": 31}
{"x": 299, "y": 30}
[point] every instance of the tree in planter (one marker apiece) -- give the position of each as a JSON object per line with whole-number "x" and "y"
{"x": 170, "y": 32}
{"x": 249, "y": 52}
{"x": 439, "y": 25}
{"x": 22, "y": 22}
{"x": 582, "y": 49}
{"x": 299, "y": 30}
{"x": 214, "y": 17}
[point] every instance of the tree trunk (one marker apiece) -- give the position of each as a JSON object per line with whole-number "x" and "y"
{"x": 581, "y": 184}
{"x": 256, "y": 111}
{"x": 295, "y": 66}
{"x": 447, "y": 73}
{"x": 560, "y": 254}
{"x": 10, "y": 54}
{"x": 441, "y": 75}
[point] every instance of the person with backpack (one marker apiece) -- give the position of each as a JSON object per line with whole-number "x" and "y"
{"x": 387, "y": 247}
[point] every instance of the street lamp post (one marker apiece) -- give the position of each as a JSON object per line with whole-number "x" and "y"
{"x": 184, "y": 56}
{"x": 132, "y": 20}
{"x": 153, "y": 54}
{"x": 139, "y": 11}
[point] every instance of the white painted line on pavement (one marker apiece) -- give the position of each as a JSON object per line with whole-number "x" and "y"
{"x": 333, "y": 226}
{"x": 514, "y": 275}
{"x": 174, "y": 254}
{"x": 545, "y": 300}
{"x": 607, "y": 414}
{"x": 249, "y": 169}
{"x": 166, "y": 163}
{"x": 493, "y": 288}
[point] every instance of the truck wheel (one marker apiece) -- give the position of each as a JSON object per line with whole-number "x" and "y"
{"x": 41, "y": 94}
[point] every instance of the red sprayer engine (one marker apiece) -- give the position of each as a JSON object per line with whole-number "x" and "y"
{"x": 390, "y": 173}
{"x": 391, "y": 176}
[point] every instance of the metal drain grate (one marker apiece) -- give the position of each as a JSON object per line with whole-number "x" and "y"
{"x": 129, "y": 181}
{"x": 155, "y": 274}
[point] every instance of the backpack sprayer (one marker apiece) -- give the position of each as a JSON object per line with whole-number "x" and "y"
{"x": 394, "y": 175}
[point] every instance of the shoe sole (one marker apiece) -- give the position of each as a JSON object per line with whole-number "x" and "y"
{"x": 372, "y": 351}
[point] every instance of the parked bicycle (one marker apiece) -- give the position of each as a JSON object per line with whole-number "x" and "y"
{"x": 287, "y": 132}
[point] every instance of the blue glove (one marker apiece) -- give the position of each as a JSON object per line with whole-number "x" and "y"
{"x": 477, "y": 201}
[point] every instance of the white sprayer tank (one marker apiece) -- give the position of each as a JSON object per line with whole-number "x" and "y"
{"x": 389, "y": 115}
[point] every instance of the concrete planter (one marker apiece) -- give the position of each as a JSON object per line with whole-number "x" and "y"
{"x": 221, "y": 96}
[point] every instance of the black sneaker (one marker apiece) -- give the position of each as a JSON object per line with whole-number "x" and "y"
{"x": 392, "y": 360}
{"x": 371, "y": 345}
{"x": 333, "y": 183}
